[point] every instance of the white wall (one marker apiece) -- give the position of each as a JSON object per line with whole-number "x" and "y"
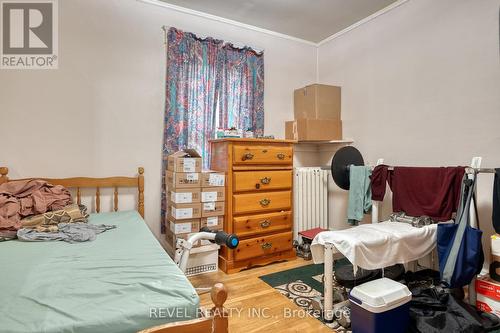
{"x": 101, "y": 112}
{"x": 421, "y": 86}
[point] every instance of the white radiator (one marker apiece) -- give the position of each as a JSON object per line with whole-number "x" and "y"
{"x": 310, "y": 199}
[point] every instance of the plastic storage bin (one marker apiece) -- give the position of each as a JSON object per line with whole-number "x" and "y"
{"x": 380, "y": 306}
{"x": 203, "y": 259}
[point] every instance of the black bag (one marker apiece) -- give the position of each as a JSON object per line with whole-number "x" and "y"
{"x": 437, "y": 310}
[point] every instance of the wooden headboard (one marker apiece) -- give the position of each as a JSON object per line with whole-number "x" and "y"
{"x": 97, "y": 183}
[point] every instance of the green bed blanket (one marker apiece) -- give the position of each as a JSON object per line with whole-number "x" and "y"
{"x": 121, "y": 282}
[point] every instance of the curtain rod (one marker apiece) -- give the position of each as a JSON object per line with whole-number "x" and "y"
{"x": 235, "y": 44}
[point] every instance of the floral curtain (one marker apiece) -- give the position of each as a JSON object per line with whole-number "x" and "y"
{"x": 242, "y": 89}
{"x": 208, "y": 84}
{"x": 193, "y": 79}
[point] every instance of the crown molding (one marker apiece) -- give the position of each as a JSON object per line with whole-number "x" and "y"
{"x": 193, "y": 12}
{"x": 367, "y": 19}
{"x": 226, "y": 21}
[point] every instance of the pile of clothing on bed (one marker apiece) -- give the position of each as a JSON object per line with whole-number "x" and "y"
{"x": 34, "y": 210}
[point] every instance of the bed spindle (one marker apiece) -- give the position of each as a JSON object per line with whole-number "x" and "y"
{"x": 97, "y": 200}
{"x": 115, "y": 206}
{"x": 3, "y": 175}
{"x": 78, "y": 196}
{"x": 140, "y": 186}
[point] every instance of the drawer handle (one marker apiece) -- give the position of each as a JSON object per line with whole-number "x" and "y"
{"x": 267, "y": 246}
{"x": 265, "y": 180}
{"x": 247, "y": 156}
{"x": 265, "y": 202}
{"x": 265, "y": 224}
{"x": 280, "y": 156}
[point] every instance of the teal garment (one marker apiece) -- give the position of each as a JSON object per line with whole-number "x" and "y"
{"x": 360, "y": 193}
{"x": 112, "y": 284}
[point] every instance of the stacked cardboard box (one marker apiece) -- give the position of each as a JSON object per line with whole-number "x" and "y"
{"x": 194, "y": 198}
{"x": 213, "y": 196}
{"x": 317, "y": 114}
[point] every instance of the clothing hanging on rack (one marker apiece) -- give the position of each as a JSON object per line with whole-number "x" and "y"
{"x": 379, "y": 181}
{"x": 360, "y": 201}
{"x": 419, "y": 191}
{"x": 496, "y": 201}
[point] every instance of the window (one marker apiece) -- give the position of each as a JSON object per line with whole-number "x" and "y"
{"x": 209, "y": 84}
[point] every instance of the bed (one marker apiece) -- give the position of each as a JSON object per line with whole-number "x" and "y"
{"x": 122, "y": 282}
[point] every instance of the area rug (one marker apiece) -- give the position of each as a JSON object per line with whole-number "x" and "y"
{"x": 304, "y": 286}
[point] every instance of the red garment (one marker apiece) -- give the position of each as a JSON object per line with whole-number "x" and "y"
{"x": 379, "y": 182}
{"x": 22, "y": 198}
{"x": 418, "y": 191}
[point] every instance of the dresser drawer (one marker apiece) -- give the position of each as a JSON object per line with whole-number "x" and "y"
{"x": 261, "y": 202}
{"x": 262, "y": 180}
{"x": 249, "y": 154}
{"x": 261, "y": 246}
{"x": 251, "y": 225}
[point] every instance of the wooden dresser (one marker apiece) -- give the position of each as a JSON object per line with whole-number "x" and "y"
{"x": 258, "y": 200}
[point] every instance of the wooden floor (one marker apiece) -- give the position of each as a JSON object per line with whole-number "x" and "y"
{"x": 255, "y": 306}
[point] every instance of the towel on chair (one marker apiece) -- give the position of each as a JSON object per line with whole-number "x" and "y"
{"x": 360, "y": 194}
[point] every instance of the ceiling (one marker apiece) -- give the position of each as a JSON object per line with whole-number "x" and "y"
{"x": 311, "y": 20}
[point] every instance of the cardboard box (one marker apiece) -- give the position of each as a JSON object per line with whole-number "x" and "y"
{"x": 213, "y": 222}
{"x": 313, "y": 130}
{"x": 211, "y": 178}
{"x": 175, "y": 180}
{"x": 210, "y": 194}
{"x": 184, "y": 226}
{"x": 488, "y": 287}
{"x": 183, "y": 211}
{"x": 187, "y": 160}
{"x": 487, "y": 304}
{"x": 317, "y": 101}
{"x": 212, "y": 209}
{"x": 184, "y": 195}
{"x": 488, "y": 295}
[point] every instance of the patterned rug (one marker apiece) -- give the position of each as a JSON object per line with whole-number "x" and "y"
{"x": 304, "y": 286}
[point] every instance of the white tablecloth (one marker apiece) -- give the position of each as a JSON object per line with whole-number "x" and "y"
{"x": 373, "y": 246}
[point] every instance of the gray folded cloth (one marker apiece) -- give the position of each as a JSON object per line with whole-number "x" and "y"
{"x": 68, "y": 232}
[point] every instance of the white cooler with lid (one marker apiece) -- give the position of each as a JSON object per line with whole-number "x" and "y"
{"x": 380, "y": 306}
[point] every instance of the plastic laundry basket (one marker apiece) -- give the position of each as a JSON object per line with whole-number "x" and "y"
{"x": 380, "y": 306}
{"x": 203, "y": 259}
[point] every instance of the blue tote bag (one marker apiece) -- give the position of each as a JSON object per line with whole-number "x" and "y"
{"x": 459, "y": 245}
